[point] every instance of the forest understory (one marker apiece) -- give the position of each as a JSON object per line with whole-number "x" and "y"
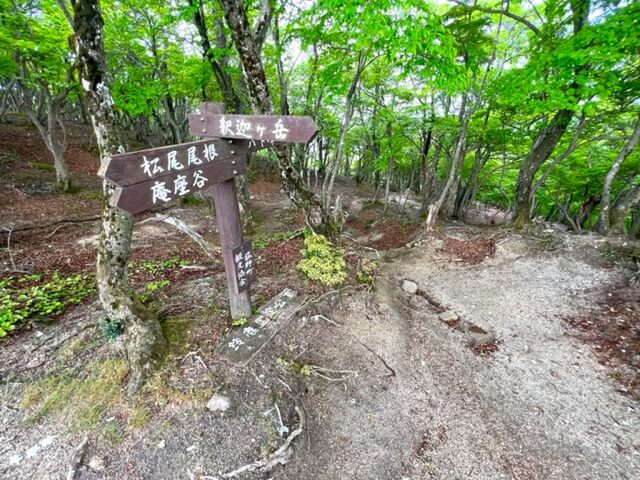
{"x": 471, "y": 351}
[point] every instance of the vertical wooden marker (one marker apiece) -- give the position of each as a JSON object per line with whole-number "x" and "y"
{"x": 230, "y": 229}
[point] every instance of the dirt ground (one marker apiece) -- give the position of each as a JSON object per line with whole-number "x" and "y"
{"x": 477, "y": 353}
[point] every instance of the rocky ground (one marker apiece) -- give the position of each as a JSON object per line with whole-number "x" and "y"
{"x": 477, "y": 352}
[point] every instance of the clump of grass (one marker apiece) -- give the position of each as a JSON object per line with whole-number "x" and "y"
{"x": 81, "y": 401}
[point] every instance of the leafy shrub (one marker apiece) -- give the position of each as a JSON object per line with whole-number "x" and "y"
{"x": 367, "y": 271}
{"x": 322, "y": 262}
{"x": 19, "y": 302}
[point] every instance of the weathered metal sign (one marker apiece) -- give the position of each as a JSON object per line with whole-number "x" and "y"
{"x": 144, "y": 165}
{"x": 245, "y": 267}
{"x": 257, "y": 128}
{"x": 162, "y": 189}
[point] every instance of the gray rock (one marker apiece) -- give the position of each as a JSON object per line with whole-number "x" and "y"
{"x": 96, "y": 463}
{"x": 448, "y": 316}
{"x": 219, "y": 403}
{"x": 477, "y": 336}
{"x": 409, "y": 287}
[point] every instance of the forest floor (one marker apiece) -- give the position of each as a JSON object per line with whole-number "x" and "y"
{"x": 477, "y": 353}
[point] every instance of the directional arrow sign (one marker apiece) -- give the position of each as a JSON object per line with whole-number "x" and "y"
{"x": 275, "y": 129}
{"x": 162, "y": 189}
{"x": 144, "y": 165}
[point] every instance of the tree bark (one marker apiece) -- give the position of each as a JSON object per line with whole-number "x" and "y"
{"x": 144, "y": 341}
{"x": 51, "y": 128}
{"x": 317, "y": 218}
{"x": 446, "y": 201}
{"x": 550, "y": 134}
{"x": 543, "y": 147}
{"x": 329, "y": 179}
{"x": 605, "y": 203}
{"x": 225, "y": 82}
{"x": 621, "y": 209}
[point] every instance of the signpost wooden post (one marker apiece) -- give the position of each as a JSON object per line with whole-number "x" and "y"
{"x": 148, "y": 179}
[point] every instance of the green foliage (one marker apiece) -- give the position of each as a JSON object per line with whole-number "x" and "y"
{"x": 266, "y": 239}
{"x": 156, "y": 266}
{"x": 111, "y": 329}
{"x": 367, "y": 271}
{"x": 297, "y": 367}
{"x": 238, "y": 322}
{"x": 30, "y": 298}
{"x": 151, "y": 288}
{"x": 322, "y": 262}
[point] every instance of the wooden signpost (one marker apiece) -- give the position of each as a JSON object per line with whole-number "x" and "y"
{"x": 148, "y": 179}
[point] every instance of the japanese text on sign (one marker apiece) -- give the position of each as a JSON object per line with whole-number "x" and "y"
{"x": 245, "y": 268}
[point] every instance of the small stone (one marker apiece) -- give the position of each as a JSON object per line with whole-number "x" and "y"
{"x": 219, "y": 403}
{"x": 448, "y": 316}
{"x": 96, "y": 463}
{"x": 409, "y": 287}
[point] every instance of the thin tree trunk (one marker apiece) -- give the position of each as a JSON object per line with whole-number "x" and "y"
{"x": 327, "y": 186}
{"x": 52, "y": 131}
{"x": 445, "y": 202}
{"x": 605, "y": 203}
{"x": 387, "y": 187}
{"x": 144, "y": 340}
{"x": 317, "y": 218}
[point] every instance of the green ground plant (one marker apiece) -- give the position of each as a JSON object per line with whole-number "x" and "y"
{"x": 322, "y": 262}
{"x": 35, "y": 297}
{"x": 265, "y": 240}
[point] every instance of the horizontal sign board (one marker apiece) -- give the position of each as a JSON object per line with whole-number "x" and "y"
{"x": 156, "y": 192}
{"x": 144, "y": 165}
{"x": 259, "y": 128}
{"x": 242, "y": 344}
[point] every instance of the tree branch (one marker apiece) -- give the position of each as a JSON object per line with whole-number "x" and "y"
{"x": 498, "y": 11}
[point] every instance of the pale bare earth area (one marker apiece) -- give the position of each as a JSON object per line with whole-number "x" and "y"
{"x": 539, "y": 407}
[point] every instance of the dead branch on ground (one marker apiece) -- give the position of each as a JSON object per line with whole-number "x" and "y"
{"x": 279, "y": 457}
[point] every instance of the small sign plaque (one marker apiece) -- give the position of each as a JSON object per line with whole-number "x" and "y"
{"x": 242, "y": 344}
{"x": 245, "y": 266}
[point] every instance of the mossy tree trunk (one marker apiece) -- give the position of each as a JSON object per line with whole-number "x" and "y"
{"x": 144, "y": 340}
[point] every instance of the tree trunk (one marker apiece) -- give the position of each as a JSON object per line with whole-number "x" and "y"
{"x": 231, "y": 98}
{"x": 605, "y": 203}
{"x": 446, "y": 201}
{"x": 327, "y": 186}
{"x": 542, "y": 148}
{"x": 52, "y": 132}
{"x": 317, "y": 218}
{"x": 144, "y": 340}
{"x": 635, "y": 226}
{"x": 621, "y": 210}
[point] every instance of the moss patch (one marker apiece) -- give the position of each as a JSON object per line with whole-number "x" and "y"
{"x": 81, "y": 400}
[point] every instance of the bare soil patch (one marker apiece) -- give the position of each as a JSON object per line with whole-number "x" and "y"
{"x": 612, "y": 327}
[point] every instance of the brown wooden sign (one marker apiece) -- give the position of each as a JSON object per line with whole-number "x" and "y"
{"x": 242, "y": 344}
{"x": 150, "y": 178}
{"x": 144, "y": 165}
{"x": 245, "y": 267}
{"x": 259, "y": 129}
{"x": 162, "y": 189}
